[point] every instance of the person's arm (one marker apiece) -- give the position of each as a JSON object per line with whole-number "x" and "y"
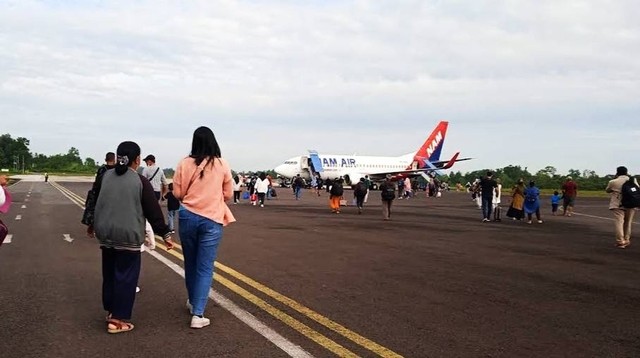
{"x": 3, "y": 183}
{"x": 227, "y": 185}
{"x": 177, "y": 182}
{"x": 609, "y": 188}
{"x": 163, "y": 182}
{"x": 153, "y": 213}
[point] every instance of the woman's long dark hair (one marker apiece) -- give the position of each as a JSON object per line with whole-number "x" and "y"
{"x": 204, "y": 146}
{"x": 127, "y": 153}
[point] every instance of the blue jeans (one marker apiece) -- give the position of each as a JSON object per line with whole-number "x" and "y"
{"x": 171, "y": 214}
{"x": 298, "y": 192}
{"x": 200, "y": 238}
{"x": 487, "y": 206}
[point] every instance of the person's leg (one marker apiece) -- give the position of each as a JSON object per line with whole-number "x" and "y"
{"x": 127, "y": 272}
{"x": 529, "y": 217}
{"x": 366, "y": 196}
{"x": 385, "y": 209}
{"x": 628, "y": 224}
{"x": 618, "y": 216}
{"x": 210, "y": 234}
{"x": 108, "y": 278}
{"x": 538, "y": 214}
{"x": 189, "y": 240}
{"x": 261, "y": 197}
{"x": 389, "y": 204}
{"x": 170, "y": 219}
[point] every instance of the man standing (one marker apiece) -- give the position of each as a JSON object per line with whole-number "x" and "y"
{"x": 623, "y": 216}
{"x": 489, "y": 188}
{"x": 569, "y": 193}
{"x": 387, "y": 193}
{"x": 92, "y": 195}
{"x": 156, "y": 176}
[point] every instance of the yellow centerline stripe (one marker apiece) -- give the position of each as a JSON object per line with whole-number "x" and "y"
{"x": 69, "y": 194}
{"x": 280, "y": 315}
{"x": 334, "y": 326}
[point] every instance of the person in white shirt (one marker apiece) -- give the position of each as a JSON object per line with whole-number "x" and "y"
{"x": 156, "y": 176}
{"x": 237, "y": 189}
{"x": 497, "y": 199}
{"x": 262, "y": 186}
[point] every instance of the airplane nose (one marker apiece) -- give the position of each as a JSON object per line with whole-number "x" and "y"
{"x": 280, "y": 169}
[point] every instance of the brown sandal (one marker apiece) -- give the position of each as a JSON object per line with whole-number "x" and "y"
{"x": 115, "y": 326}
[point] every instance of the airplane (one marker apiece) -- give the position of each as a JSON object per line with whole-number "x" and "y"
{"x": 425, "y": 161}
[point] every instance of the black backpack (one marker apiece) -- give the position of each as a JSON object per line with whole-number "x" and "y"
{"x": 630, "y": 194}
{"x": 388, "y": 191}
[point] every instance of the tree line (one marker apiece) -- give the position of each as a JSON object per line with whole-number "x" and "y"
{"x": 546, "y": 178}
{"x": 16, "y": 156}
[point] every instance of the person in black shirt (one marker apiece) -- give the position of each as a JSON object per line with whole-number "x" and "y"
{"x": 172, "y": 208}
{"x": 488, "y": 187}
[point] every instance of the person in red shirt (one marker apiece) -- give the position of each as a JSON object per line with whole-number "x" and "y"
{"x": 569, "y": 193}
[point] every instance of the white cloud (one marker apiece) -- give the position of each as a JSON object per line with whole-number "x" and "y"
{"x": 522, "y": 82}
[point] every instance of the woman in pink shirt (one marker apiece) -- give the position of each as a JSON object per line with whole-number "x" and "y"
{"x": 202, "y": 182}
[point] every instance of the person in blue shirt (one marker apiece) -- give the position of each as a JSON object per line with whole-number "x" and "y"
{"x": 532, "y": 202}
{"x": 555, "y": 202}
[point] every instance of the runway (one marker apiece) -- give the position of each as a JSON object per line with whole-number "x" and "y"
{"x": 292, "y": 279}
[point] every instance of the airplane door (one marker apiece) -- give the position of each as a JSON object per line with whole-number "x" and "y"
{"x": 304, "y": 162}
{"x": 316, "y": 163}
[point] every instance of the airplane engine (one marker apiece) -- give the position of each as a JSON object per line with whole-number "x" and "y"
{"x": 353, "y": 178}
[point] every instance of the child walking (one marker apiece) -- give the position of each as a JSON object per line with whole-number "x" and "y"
{"x": 555, "y": 202}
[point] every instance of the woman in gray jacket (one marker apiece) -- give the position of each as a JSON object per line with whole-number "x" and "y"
{"x": 126, "y": 199}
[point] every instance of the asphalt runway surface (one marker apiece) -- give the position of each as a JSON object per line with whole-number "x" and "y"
{"x": 433, "y": 282}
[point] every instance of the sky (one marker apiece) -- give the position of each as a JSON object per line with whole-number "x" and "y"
{"x": 530, "y": 83}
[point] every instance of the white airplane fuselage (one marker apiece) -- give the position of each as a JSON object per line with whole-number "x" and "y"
{"x": 336, "y": 166}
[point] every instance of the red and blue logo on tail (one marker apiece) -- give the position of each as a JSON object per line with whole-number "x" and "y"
{"x": 432, "y": 147}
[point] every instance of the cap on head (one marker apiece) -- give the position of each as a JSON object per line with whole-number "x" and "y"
{"x": 150, "y": 157}
{"x": 569, "y": 177}
{"x": 622, "y": 170}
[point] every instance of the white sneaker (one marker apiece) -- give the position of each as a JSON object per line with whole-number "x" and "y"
{"x": 199, "y": 322}
{"x": 137, "y": 289}
{"x": 539, "y": 221}
{"x": 262, "y": 205}
{"x": 190, "y": 307}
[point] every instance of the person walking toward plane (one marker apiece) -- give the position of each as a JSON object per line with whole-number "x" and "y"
{"x": 298, "y": 185}
{"x": 497, "y": 199}
{"x": 555, "y": 202}
{"x": 623, "y": 216}
{"x": 488, "y": 187}
{"x": 532, "y": 202}
{"x": 516, "y": 209}
{"x": 337, "y": 190}
{"x": 387, "y": 193}
{"x": 408, "y": 190}
{"x": 237, "y": 189}
{"x": 367, "y": 183}
{"x": 202, "y": 183}
{"x": 569, "y": 194}
{"x": 360, "y": 192}
{"x": 125, "y": 200}
{"x": 156, "y": 176}
{"x": 173, "y": 205}
{"x": 262, "y": 186}
{"x": 92, "y": 195}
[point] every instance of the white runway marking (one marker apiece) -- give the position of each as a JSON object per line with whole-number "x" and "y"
{"x": 7, "y": 240}
{"x": 18, "y": 217}
{"x": 26, "y": 200}
{"x": 247, "y": 318}
{"x": 67, "y": 238}
{"x": 599, "y": 217}
{"x": 23, "y": 207}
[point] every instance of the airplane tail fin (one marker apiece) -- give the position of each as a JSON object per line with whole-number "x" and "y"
{"x": 432, "y": 147}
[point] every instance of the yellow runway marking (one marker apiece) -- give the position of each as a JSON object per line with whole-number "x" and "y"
{"x": 282, "y": 316}
{"x": 334, "y": 326}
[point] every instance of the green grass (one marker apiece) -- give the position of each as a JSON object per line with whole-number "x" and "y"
{"x": 581, "y": 193}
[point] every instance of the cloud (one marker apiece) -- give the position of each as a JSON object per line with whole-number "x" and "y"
{"x": 517, "y": 79}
